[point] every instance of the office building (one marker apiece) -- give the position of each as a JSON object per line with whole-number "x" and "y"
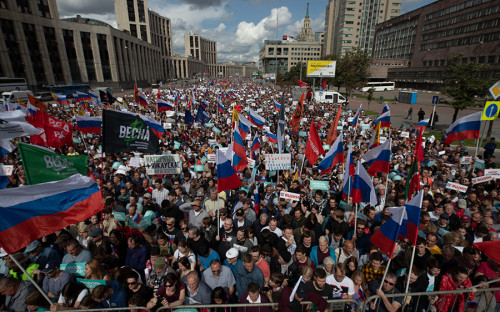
{"x": 132, "y": 16}
{"x": 37, "y": 45}
{"x": 425, "y": 38}
{"x": 351, "y": 24}
{"x": 233, "y": 69}
{"x": 202, "y": 49}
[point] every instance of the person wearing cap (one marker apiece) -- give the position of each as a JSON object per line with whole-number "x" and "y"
{"x": 219, "y": 275}
{"x": 213, "y": 203}
{"x": 240, "y": 220}
{"x": 252, "y": 296}
{"x": 99, "y": 241}
{"x": 147, "y": 200}
{"x": 196, "y": 214}
{"x": 232, "y": 260}
{"x": 160, "y": 270}
{"x": 443, "y": 224}
{"x": 160, "y": 193}
{"x": 283, "y": 262}
{"x": 55, "y": 279}
{"x": 15, "y": 292}
{"x": 41, "y": 255}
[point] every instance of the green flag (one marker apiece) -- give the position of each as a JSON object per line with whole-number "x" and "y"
{"x": 42, "y": 165}
{"x": 413, "y": 180}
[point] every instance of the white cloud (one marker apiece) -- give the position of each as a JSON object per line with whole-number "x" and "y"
{"x": 250, "y": 34}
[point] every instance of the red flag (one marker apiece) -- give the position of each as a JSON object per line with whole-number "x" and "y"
{"x": 36, "y": 102}
{"x": 314, "y": 147}
{"x": 297, "y": 115}
{"x": 302, "y": 84}
{"x": 419, "y": 149}
{"x": 136, "y": 93}
{"x": 491, "y": 249}
{"x": 413, "y": 180}
{"x": 332, "y": 133}
{"x": 309, "y": 94}
{"x": 37, "y": 120}
{"x": 56, "y": 133}
{"x": 323, "y": 85}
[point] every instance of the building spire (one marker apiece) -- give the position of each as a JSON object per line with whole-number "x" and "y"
{"x": 307, "y": 12}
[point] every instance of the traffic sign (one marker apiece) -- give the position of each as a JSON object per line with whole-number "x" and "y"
{"x": 435, "y": 99}
{"x": 491, "y": 109}
{"x": 495, "y": 90}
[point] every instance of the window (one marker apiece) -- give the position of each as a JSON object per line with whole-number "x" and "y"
{"x": 52, "y": 47}
{"x": 491, "y": 59}
{"x": 103, "y": 53}
{"x": 131, "y": 10}
{"x": 43, "y": 9}
{"x": 133, "y": 30}
{"x": 69, "y": 44}
{"x": 89, "y": 57}
{"x": 23, "y": 6}
{"x": 34, "y": 52}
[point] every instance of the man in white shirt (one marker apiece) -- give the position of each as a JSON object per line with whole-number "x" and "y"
{"x": 159, "y": 193}
{"x": 343, "y": 287}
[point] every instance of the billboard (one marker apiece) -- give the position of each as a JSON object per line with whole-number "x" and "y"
{"x": 324, "y": 69}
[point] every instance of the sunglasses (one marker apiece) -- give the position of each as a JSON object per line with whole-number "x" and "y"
{"x": 387, "y": 282}
{"x": 168, "y": 286}
{"x": 170, "y": 224}
{"x": 133, "y": 283}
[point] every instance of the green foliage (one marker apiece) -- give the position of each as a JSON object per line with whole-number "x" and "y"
{"x": 370, "y": 95}
{"x": 463, "y": 82}
{"x": 293, "y": 74}
{"x": 352, "y": 70}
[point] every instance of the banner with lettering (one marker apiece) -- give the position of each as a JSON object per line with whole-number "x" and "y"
{"x": 162, "y": 164}
{"x": 278, "y": 161}
{"x": 42, "y": 165}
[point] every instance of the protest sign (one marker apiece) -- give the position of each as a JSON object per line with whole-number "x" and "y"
{"x": 319, "y": 185}
{"x": 493, "y": 172}
{"x": 177, "y": 145}
{"x": 289, "y": 195}
{"x": 466, "y": 160}
{"x": 457, "y": 187}
{"x": 405, "y": 134}
{"x": 8, "y": 169}
{"x": 199, "y": 168}
{"x": 278, "y": 161}
{"x": 91, "y": 284}
{"x": 74, "y": 268}
{"x": 211, "y": 158}
{"x": 251, "y": 163}
{"x": 120, "y": 216}
{"x": 482, "y": 179}
{"x": 162, "y": 164}
{"x": 479, "y": 163}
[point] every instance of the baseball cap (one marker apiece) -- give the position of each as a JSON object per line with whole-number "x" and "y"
{"x": 462, "y": 204}
{"x": 232, "y": 253}
{"x": 50, "y": 266}
{"x": 200, "y": 193}
{"x": 96, "y": 232}
{"x": 465, "y": 218}
{"x": 240, "y": 212}
{"x": 147, "y": 195}
{"x": 444, "y": 216}
{"x": 32, "y": 246}
{"x": 159, "y": 262}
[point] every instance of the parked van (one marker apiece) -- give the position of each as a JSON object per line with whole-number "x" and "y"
{"x": 12, "y": 96}
{"x": 330, "y": 97}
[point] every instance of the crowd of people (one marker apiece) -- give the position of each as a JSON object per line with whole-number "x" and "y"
{"x": 205, "y": 247}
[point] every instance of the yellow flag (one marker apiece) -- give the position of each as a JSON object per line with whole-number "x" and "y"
{"x": 236, "y": 115}
{"x": 21, "y": 102}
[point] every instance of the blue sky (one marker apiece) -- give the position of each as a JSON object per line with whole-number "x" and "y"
{"x": 238, "y": 26}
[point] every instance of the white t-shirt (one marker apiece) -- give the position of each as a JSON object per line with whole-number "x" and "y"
{"x": 82, "y": 294}
{"x": 339, "y": 288}
{"x": 178, "y": 255}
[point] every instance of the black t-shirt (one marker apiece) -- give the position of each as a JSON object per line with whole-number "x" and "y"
{"x": 326, "y": 292}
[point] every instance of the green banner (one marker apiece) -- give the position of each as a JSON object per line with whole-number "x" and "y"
{"x": 91, "y": 284}
{"x": 177, "y": 145}
{"x": 216, "y": 130}
{"x": 319, "y": 185}
{"x": 42, "y": 165}
{"x": 199, "y": 168}
{"x": 74, "y": 268}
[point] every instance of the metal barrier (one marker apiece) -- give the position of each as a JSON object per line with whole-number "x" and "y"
{"x": 483, "y": 296}
{"x": 111, "y": 309}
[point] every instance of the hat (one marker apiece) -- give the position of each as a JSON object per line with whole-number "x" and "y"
{"x": 396, "y": 178}
{"x": 200, "y": 193}
{"x": 240, "y": 212}
{"x": 462, "y": 204}
{"x": 3, "y": 253}
{"x": 223, "y": 210}
{"x": 96, "y": 232}
{"x": 444, "y": 216}
{"x": 159, "y": 262}
{"x": 147, "y": 195}
{"x": 50, "y": 266}
{"x": 286, "y": 256}
{"x": 465, "y": 218}
{"x": 232, "y": 253}
{"x": 302, "y": 290}
{"x": 32, "y": 246}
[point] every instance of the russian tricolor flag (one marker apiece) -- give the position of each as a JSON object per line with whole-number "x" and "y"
{"x": 226, "y": 175}
{"x": 34, "y": 211}
{"x": 255, "y": 147}
{"x": 255, "y": 118}
{"x": 277, "y": 105}
{"x": 243, "y": 126}
{"x": 220, "y": 107}
{"x": 378, "y": 158}
{"x": 154, "y": 125}
{"x": 411, "y": 219}
{"x": 142, "y": 99}
{"x": 467, "y": 127}
{"x": 334, "y": 156}
{"x": 204, "y": 104}
{"x": 240, "y": 160}
{"x": 87, "y": 124}
{"x": 356, "y": 117}
{"x": 162, "y": 105}
{"x": 271, "y": 137}
{"x": 61, "y": 98}
{"x": 384, "y": 119}
{"x": 349, "y": 171}
{"x": 256, "y": 201}
{"x": 362, "y": 187}
{"x": 421, "y": 125}
{"x": 4, "y": 179}
{"x": 387, "y": 235}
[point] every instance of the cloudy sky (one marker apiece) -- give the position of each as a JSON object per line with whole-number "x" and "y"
{"x": 238, "y": 26}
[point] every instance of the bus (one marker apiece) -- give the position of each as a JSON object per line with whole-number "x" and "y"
{"x": 13, "y": 84}
{"x": 379, "y": 86}
{"x": 69, "y": 89}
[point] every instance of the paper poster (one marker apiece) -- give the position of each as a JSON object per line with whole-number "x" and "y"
{"x": 120, "y": 216}
{"x": 91, "y": 284}
{"x": 482, "y": 179}
{"x": 74, "y": 268}
{"x": 289, "y": 195}
{"x": 162, "y": 164}
{"x": 278, "y": 161}
{"x": 319, "y": 185}
{"x": 457, "y": 187}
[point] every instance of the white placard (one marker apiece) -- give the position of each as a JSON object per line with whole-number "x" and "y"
{"x": 482, "y": 179}
{"x": 135, "y": 162}
{"x": 167, "y": 125}
{"x": 251, "y": 163}
{"x": 457, "y": 187}
{"x": 211, "y": 158}
{"x": 382, "y": 140}
{"x": 278, "y": 161}
{"x": 405, "y": 134}
{"x": 440, "y": 153}
{"x": 212, "y": 142}
{"x": 162, "y": 164}
{"x": 493, "y": 172}
{"x": 466, "y": 160}
{"x": 289, "y": 195}
{"x": 8, "y": 169}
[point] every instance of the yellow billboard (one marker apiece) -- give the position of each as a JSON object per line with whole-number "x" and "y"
{"x": 324, "y": 69}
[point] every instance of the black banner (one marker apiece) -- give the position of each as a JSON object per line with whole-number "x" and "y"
{"x": 127, "y": 132}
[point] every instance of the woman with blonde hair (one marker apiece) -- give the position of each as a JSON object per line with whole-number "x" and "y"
{"x": 307, "y": 273}
{"x": 358, "y": 278}
{"x": 84, "y": 237}
{"x": 93, "y": 270}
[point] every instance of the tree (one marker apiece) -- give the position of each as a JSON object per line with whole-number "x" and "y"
{"x": 352, "y": 70}
{"x": 370, "y": 96}
{"x": 463, "y": 82}
{"x": 293, "y": 74}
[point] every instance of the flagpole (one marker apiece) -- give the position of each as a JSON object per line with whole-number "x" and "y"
{"x": 355, "y": 217}
{"x": 218, "y": 215}
{"x": 412, "y": 256}
{"x": 480, "y": 139}
{"x": 42, "y": 292}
